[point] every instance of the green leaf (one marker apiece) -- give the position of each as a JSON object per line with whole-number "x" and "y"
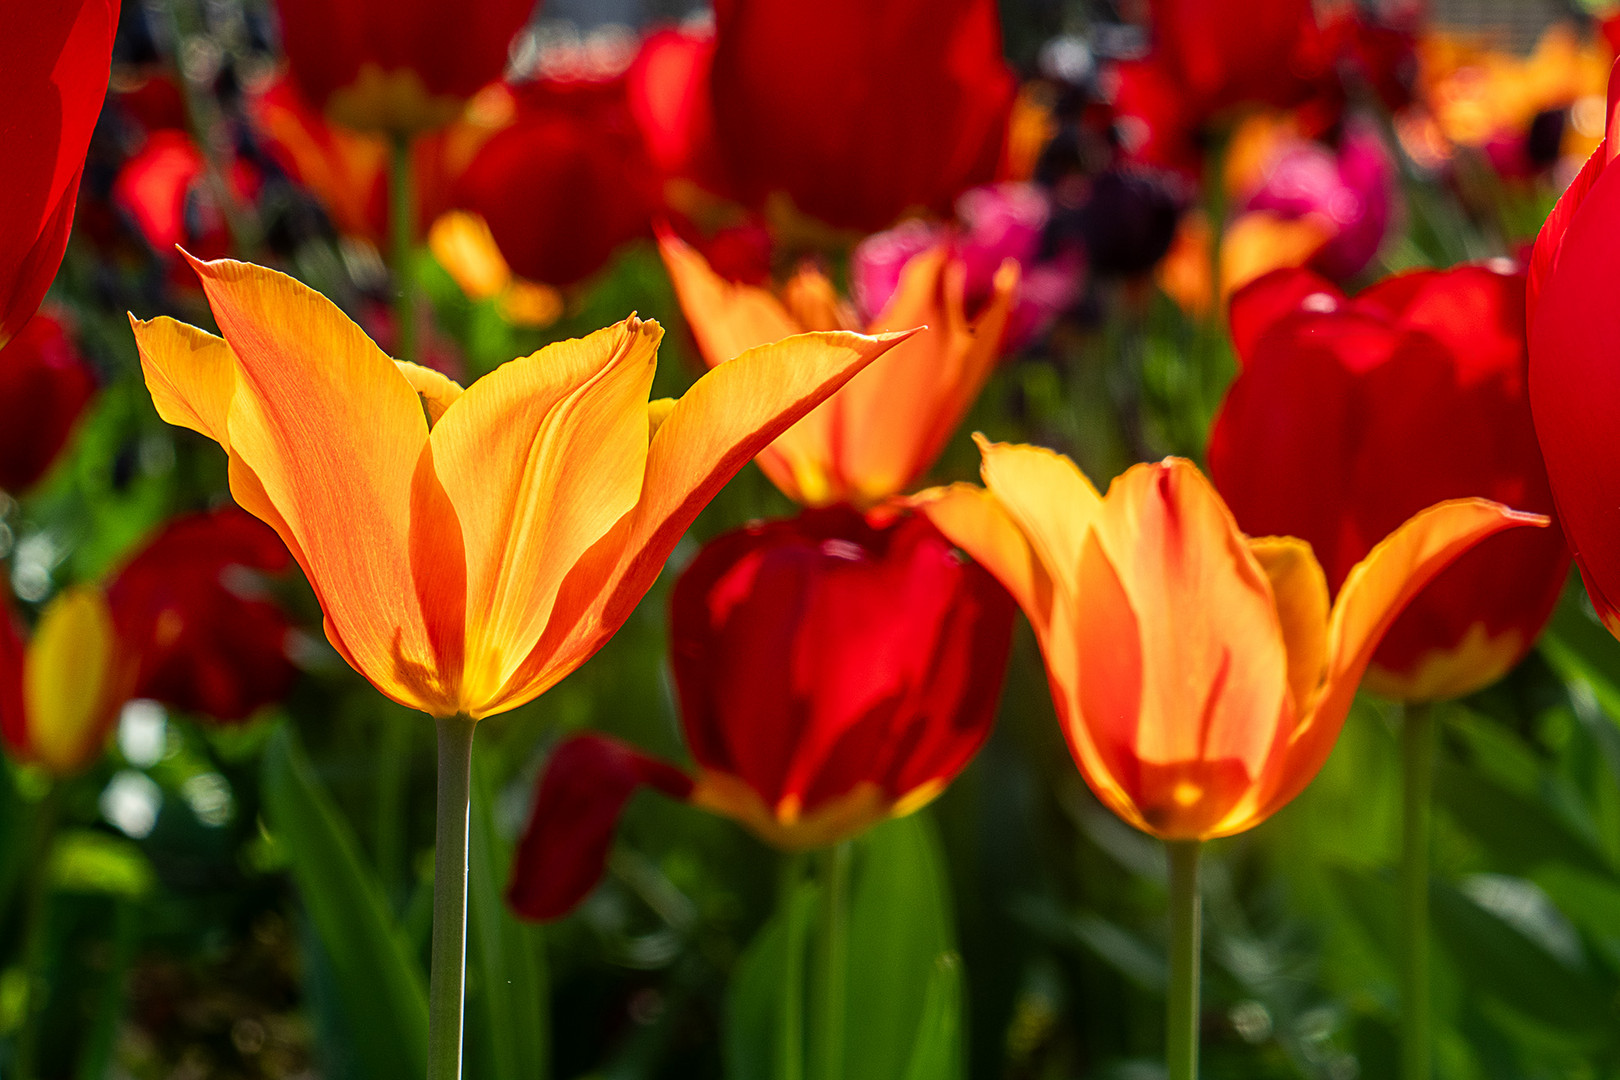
{"x": 379, "y": 989}
{"x": 937, "y": 1051}
{"x": 507, "y": 1008}
{"x": 754, "y": 996}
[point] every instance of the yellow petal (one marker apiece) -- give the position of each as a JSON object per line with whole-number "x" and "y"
{"x": 74, "y": 681}
{"x": 813, "y": 303}
{"x": 975, "y": 521}
{"x": 190, "y": 373}
{"x": 1050, "y": 499}
{"x": 1301, "y": 592}
{"x": 464, "y": 246}
{"x": 727, "y": 319}
{"x": 540, "y": 459}
{"x": 335, "y": 436}
{"x": 436, "y": 389}
{"x": 1373, "y": 594}
{"x": 723, "y": 420}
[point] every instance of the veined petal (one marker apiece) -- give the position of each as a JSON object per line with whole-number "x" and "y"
{"x": 1376, "y": 590}
{"x": 723, "y": 420}
{"x": 437, "y": 390}
{"x": 727, "y": 319}
{"x": 1300, "y": 589}
{"x": 974, "y": 520}
{"x": 190, "y": 373}
{"x": 335, "y": 436}
{"x": 1214, "y": 667}
{"x": 813, "y": 303}
{"x": 1049, "y": 498}
{"x": 540, "y": 459}
{"x": 73, "y": 681}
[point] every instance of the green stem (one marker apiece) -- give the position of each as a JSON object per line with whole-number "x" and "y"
{"x": 1417, "y": 758}
{"x": 790, "y": 1033}
{"x": 1181, "y": 1051}
{"x": 835, "y": 959}
{"x": 448, "y": 976}
{"x": 36, "y": 927}
{"x": 402, "y": 235}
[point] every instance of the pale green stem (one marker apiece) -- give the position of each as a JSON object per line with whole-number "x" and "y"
{"x": 448, "y": 976}
{"x": 1417, "y": 762}
{"x": 1181, "y": 1050}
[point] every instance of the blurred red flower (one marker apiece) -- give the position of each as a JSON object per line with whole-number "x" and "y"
{"x": 44, "y": 387}
{"x": 164, "y": 191}
{"x": 397, "y": 65}
{"x": 54, "y": 63}
{"x": 1350, "y": 415}
{"x": 832, "y": 673}
{"x": 1241, "y": 52}
{"x": 857, "y": 111}
{"x": 186, "y": 607}
{"x": 566, "y": 183}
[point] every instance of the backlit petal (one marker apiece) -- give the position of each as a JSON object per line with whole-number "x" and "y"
{"x": 726, "y": 318}
{"x": 437, "y": 390}
{"x": 1051, "y": 500}
{"x": 73, "y": 681}
{"x": 1300, "y": 589}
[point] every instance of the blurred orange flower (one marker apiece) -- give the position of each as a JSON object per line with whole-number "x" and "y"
{"x": 1201, "y": 676}
{"x": 879, "y": 435}
{"x": 469, "y": 548}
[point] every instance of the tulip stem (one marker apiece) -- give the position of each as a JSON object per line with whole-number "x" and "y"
{"x": 1181, "y": 1049}
{"x": 36, "y": 927}
{"x": 1417, "y": 757}
{"x": 835, "y": 959}
{"x": 790, "y": 1033}
{"x": 402, "y": 235}
{"x": 448, "y": 976}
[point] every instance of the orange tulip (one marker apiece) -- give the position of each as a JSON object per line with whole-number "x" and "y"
{"x": 469, "y": 548}
{"x": 60, "y": 692}
{"x": 1201, "y": 675}
{"x": 875, "y": 438}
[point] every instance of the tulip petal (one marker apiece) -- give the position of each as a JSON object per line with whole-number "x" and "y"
{"x": 812, "y": 302}
{"x": 581, "y": 795}
{"x": 726, "y": 318}
{"x": 336, "y": 437}
{"x": 1550, "y": 240}
{"x": 437, "y": 390}
{"x": 1261, "y": 303}
{"x": 1050, "y": 499}
{"x": 1300, "y": 589}
{"x": 190, "y": 373}
{"x": 540, "y": 459}
{"x": 974, "y": 520}
{"x": 73, "y": 681}
{"x": 727, "y": 417}
{"x": 1377, "y": 589}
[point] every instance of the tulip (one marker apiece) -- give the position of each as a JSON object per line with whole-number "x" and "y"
{"x": 858, "y": 112}
{"x": 60, "y": 692}
{"x": 566, "y": 184}
{"x": 397, "y": 66}
{"x": 163, "y": 190}
{"x": 1411, "y": 393}
{"x": 667, "y": 90}
{"x": 44, "y": 387}
{"x": 54, "y": 64}
{"x": 1201, "y": 677}
{"x": 1572, "y": 376}
{"x": 1237, "y": 52}
{"x": 469, "y": 548}
{"x": 876, "y": 437}
{"x": 206, "y": 643}
{"x": 1252, "y": 246}
{"x": 831, "y": 674}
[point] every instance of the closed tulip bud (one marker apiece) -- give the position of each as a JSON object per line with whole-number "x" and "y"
{"x": 185, "y": 604}
{"x": 1351, "y": 415}
{"x": 1239, "y": 52}
{"x": 1201, "y": 676}
{"x": 44, "y": 387}
{"x": 859, "y": 112}
{"x": 831, "y": 674}
{"x": 399, "y": 66}
{"x": 54, "y": 63}
{"x": 60, "y": 692}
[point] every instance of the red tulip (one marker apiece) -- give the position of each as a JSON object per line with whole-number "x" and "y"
{"x": 667, "y": 87}
{"x": 1574, "y": 325}
{"x": 186, "y": 608}
{"x": 832, "y": 673}
{"x": 164, "y": 191}
{"x": 857, "y": 111}
{"x": 54, "y": 64}
{"x": 1350, "y": 415}
{"x": 44, "y": 387}
{"x": 1235, "y": 52}
{"x": 566, "y": 184}
{"x": 397, "y": 65}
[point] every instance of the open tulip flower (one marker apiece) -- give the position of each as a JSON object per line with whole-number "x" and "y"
{"x": 54, "y": 64}
{"x": 831, "y": 673}
{"x": 398, "y": 66}
{"x": 62, "y": 688}
{"x": 1410, "y": 393}
{"x": 881, "y": 433}
{"x": 1573, "y": 380}
{"x": 1201, "y": 676}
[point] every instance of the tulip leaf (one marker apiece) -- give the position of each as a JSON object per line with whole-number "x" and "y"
{"x": 379, "y": 988}
{"x": 937, "y": 1050}
{"x": 507, "y": 1011}
{"x": 754, "y": 998}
